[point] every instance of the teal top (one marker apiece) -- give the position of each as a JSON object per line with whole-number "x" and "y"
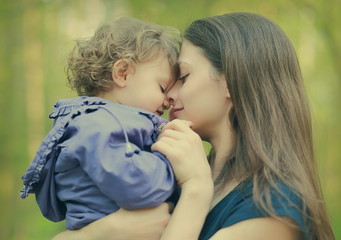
{"x": 239, "y": 205}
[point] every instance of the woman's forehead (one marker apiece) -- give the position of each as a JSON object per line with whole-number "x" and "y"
{"x": 191, "y": 55}
{"x": 187, "y": 49}
{"x": 182, "y": 62}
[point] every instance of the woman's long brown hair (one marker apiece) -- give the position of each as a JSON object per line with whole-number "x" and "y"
{"x": 270, "y": 116}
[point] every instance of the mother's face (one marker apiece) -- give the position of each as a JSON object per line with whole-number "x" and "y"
{"x": 200, "y": 95}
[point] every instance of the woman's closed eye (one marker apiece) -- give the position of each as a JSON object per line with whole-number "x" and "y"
{"x": 183, "y": 78}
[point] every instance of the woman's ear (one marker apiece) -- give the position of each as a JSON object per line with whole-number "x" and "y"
{"x": 227, "y": 93}
{"x": 120, "y": 71}
{"x": 225, "y": 87}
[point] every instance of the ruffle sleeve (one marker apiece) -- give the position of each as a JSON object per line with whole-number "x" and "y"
{"x": 39, "y": 178}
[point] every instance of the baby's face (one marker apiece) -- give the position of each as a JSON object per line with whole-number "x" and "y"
{"x": 147, "y": 86}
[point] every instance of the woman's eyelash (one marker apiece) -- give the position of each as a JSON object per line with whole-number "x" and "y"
{"x": 183, "y": 78}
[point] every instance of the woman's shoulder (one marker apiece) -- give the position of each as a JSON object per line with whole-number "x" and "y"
{"x": 240, "y": 205}
{"x": 284, "y": 200}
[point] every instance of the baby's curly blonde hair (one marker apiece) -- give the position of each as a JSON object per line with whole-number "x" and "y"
{"x": 89, "y": 69}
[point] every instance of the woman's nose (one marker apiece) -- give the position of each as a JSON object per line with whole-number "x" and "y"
{"x": 170, "y": 100}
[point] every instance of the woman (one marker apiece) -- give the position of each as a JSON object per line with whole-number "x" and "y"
{"x": 243, "y": 92}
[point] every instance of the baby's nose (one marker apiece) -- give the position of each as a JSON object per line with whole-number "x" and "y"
{"x": 166, "y": 104}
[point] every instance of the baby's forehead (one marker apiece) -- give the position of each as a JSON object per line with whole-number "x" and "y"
{"x": 172, "y": 68}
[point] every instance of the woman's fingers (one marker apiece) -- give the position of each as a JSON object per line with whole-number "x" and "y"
{"x": 170, "y": 133}
{"x": 180, "y": 130}
{"x": 165, "y": 145}
{"x": 177, "y": 140}
{"x": 179, "y": 125}
{"x": 184, "y": 150}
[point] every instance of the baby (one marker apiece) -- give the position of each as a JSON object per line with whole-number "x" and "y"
{"x": 97, "y": 157}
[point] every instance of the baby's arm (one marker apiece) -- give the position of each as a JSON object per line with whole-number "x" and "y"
{"x": 133, "y": 178}
{"x": 142, "y": 180}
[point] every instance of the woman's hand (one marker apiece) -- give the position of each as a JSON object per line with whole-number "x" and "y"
{"x": 144, "y": 224}
{"x": 184, "y": 149}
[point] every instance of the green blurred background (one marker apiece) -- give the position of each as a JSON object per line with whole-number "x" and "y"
{"x": 36, "y": 36}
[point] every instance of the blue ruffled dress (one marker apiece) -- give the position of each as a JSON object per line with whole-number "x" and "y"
{"x": 97, "y": 159}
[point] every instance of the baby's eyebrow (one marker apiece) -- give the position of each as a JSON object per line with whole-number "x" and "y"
{"x": 165, "y": 80}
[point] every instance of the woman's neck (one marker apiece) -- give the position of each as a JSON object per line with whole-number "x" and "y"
{"x": 222, "y": 143}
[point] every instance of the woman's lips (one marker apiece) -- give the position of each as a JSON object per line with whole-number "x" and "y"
{"x": 174, "y": 112}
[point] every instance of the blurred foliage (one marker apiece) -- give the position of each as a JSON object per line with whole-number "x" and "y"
{"x": 36, "y": 36}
